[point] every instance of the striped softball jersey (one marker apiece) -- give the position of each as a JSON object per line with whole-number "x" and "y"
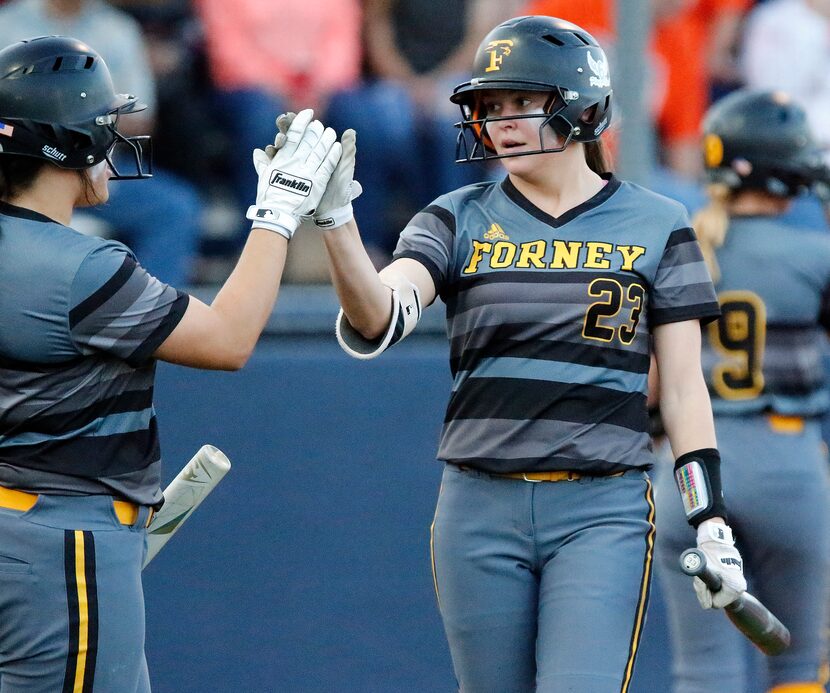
{"x": 765, "y": 353}
{"x": 549, "y": 321}
{"x": 79, "y": 322}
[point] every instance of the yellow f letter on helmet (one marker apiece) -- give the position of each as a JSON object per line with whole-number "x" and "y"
{"x": 406, "y": 312}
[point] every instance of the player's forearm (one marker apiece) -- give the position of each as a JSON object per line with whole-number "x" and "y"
{"x": 687, "y": 414}
{"x": 222, "y": 335}
{"x": 366, "y": 302}
{"x": 246, "y": 300}
{"x": 684, "y": 400}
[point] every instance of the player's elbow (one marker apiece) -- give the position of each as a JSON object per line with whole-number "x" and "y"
{"x": 226, "y": 357}
{"x": 371, "y": 328}
{"x": 236, "y": 359}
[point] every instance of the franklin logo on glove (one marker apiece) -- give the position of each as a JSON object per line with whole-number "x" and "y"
{"x": 301, "y": 186}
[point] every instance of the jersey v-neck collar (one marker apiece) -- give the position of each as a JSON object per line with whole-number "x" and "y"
{"x": 515, "y": 196}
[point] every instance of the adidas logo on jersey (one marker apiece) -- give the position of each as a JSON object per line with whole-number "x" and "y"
{"x": 53, "y": 153}
{"x": 496, "y": 232}
{"x": 295, "y": 184}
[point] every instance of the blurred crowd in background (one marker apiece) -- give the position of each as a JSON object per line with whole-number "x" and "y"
{"x": 215, "y": 74}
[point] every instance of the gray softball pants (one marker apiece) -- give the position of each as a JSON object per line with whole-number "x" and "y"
{"x": 543, "y": 586}
{"x": 71, "y": 600}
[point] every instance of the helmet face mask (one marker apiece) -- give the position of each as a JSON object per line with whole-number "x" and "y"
{"x": 536, "y": 54}
{"x": 760, "y": 140}
{"x": 136, "y": 152}
{"x": 476, "y": 123}
{"x": 57, "y": 103}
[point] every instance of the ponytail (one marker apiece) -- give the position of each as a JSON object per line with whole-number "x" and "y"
{"x": 710, "y": 225}
{"x": 596, "y": 156}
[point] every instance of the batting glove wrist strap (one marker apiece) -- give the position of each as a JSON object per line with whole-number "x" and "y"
{"x": 273, "y": 220}
{"x": 697, "y": 475}
{"x": 334, "y": 218}
{"x": 715, "y": 531}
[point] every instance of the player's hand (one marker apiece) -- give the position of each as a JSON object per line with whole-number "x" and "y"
{"x": 715, "y": 540}
{"x": 293, "y": 180}
{"x": 335, "y": 208}
{"x": 284, "y": 121}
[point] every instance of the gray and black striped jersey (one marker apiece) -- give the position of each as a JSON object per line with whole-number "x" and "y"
{"x": 79, "y": 322}
{"x": 765, "y": 353}
{"x": 549, "y": 321}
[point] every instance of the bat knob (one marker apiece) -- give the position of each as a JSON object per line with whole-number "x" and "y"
{"x": 692, "y": 561}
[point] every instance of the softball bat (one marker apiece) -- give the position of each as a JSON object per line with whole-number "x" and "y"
{"x": 184, "y": 494}
{"x": 749, "y": 615}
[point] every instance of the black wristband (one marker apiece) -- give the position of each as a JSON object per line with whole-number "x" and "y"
{"x": 697, "y": 475}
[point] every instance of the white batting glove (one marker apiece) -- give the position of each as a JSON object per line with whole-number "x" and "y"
{"x": 293, "y": 180}
{"x": 284, "y": 121}
{"x": 335, "y": 208}
{"x": 716, "y": 542}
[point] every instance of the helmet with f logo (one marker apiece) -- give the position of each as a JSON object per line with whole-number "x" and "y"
{"x": 543, "y": 54}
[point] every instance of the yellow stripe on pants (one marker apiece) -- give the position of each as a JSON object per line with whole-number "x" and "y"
{"x": 83, "y": 612}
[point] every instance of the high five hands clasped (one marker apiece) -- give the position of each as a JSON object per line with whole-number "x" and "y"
{"x": 305, "y": 175}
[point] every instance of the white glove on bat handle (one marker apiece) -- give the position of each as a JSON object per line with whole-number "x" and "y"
{"x": 715, "y": 540}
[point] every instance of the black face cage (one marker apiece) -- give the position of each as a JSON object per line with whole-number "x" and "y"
{"x": 474, "y": 144}
{"x": 136, "y": 152}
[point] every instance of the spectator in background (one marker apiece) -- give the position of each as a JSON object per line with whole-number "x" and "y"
{"x": 267, "y": 57}
{"x": 786, "y": 46}
{"x": 159, "y": 220}
{"x": 416, "y": 52}
{"x": 691, "y": 46}
{"x": 184, "y": 118}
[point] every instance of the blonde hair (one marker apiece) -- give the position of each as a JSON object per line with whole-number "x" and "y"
{"x": 711, "y": 224}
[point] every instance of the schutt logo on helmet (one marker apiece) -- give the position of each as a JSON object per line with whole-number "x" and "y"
{"x": 53, "y": 153}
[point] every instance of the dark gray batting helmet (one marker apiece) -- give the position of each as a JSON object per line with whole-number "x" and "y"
{"x": 544, "y": 54}
{"x": 57, "y": 103}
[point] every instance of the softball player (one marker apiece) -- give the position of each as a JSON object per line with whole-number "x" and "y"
{"x": 82, "y": 326}
{"x": 762, "y": 363}
{"x": 555, "y": 279}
